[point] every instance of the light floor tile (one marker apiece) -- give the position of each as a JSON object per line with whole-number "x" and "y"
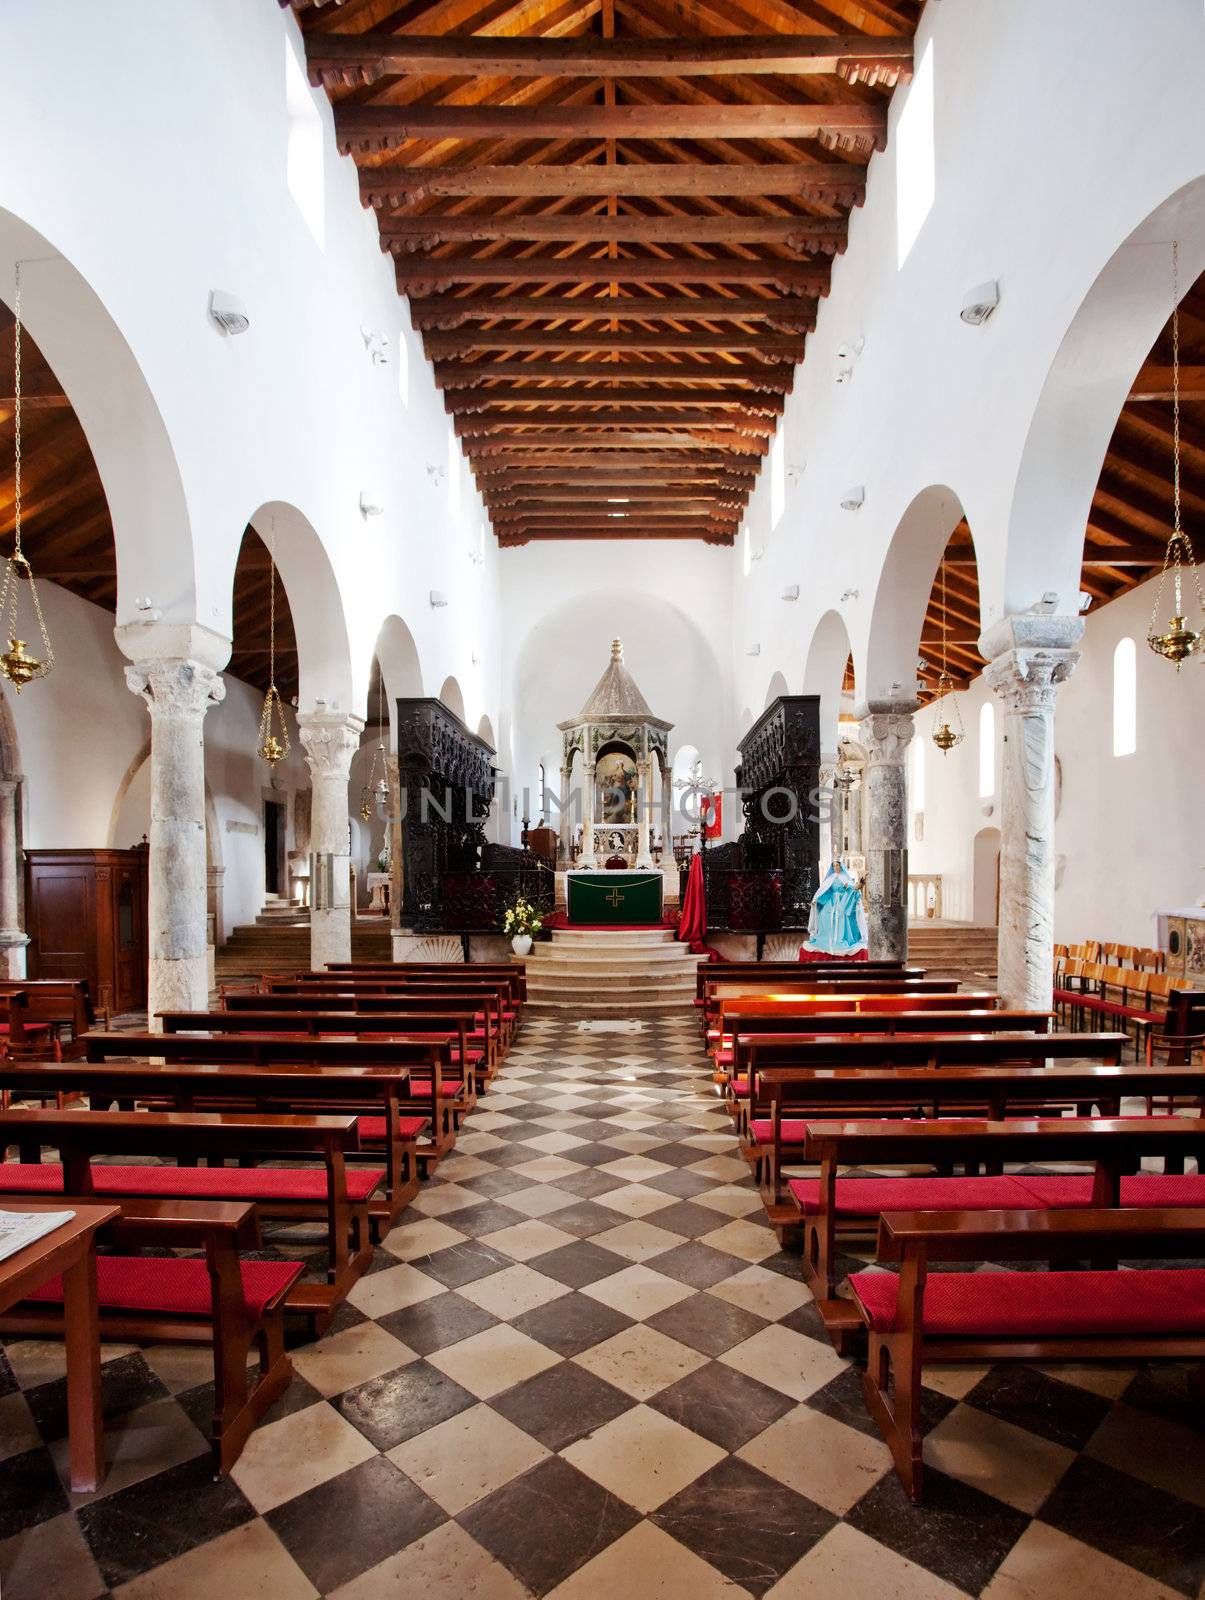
{"x": 493, "y": 1360}
{"x": 643, "y": 1457}
{"x": 789, "y": 1362}
{"x": 553, "y": 1143}
{"x": 767, "y": 1294}
{"x": 417, "y": 1236}
{"x": 18, "y": 1431}
{"x": 724, "y": 1169}
{"x": 1011, "y": 1463}
{"x": 742, "y": 1239}
{"x": 637, "y": 1240}
{"x": 392, "y": 1290}
{"x": 732, "y": 1201}
{"x": 636, "y": 1200}
{"x": 184, "y": 1366}
{"x": 831, "y": 1463}
{"x": 466, "y": 1457}
{"x": 137, "y": 1445}
{"x": 640, "y": 1361}
{"x": 297, "y": 1453}
{"x": 1107, "y": 1379}
{"x": 646, "y": 1564}
{"x": 638, "y": 1291}
{"x": 456, "y": 1168}
{"x": 546, "y": 1169}
{"x": 523, "y": 1240}
{"x": 444, "y": 1197}
{"x": 847, "y": 1563}
{"x": 344, "y": 1360}
{"x": 49, "y": 1562}
{"x": 1045, "y": 1564}
{"x": 249, "y": 1561}
{"x": 511, "y": 1292}
{"x": 540, "y": 1200}
{"x": 1152, "y": 1448}
{"x": 445, "y": 1565}
{"x": 953, "y": 1379}
{"x": 635, "y": 1169}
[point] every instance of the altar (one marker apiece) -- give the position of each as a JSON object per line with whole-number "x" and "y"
{"x": 619, "y": 899}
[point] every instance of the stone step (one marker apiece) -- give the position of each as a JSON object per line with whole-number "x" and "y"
{"x": 644, "y": 938}
{"x": 632, "y": 1006}
{"x": 541, "y": 983}
{"x": 615, "y": 969}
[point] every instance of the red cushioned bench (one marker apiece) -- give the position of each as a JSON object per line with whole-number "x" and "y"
{"x": 325, "y": 1191}
{"x": 917, "y": 1317}
{"x": 214, "y": 1298}
{"x": 1113, "y": 1146}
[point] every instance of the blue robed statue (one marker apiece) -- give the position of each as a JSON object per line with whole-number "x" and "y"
{"x": 837, "y": 926}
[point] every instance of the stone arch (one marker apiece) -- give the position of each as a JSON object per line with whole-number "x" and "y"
{"x": 1107, "y": 340}
{"x": 401, "y": 671}
{"x": 121, "y": 419}
{"x": 324, "y": 660}
{"x": 776, "y": 686}
{"x": 902, "y": 595}
{"x": 452, "y": 696}
{"x": 485, "y": 730}
{"x": 824, "y": 672}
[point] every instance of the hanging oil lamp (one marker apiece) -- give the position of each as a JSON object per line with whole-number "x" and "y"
{"x": 16, "y": 663}
{"x": 948, "y": 731}
{"x": 1178, "y": 640}
{"x": 271, "y": 748}
{"x": 375, "y": 794}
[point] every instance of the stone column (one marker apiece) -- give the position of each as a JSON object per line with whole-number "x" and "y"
{"x": 12, "y": 940}
{"x": 564, "y": 819}
{"x": 886, "y": 733}
{"x": 330, "y": 740}
{"x": 644, "y": 808}
{"x": 1029, "y": 656}
{"x": 828, "y": 810}
{"x": 175, "y": 670}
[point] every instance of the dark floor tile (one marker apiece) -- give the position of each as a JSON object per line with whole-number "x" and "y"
{"x": 1163, "y": 1389}
{"x": 463, "y": 1263}
{"x": 8, "y": 1383}
{"x": 352, "y": 1522}
{"x": 588, "y": 1182}
{"x": 1132, "y": 1522}
{"x": 562, "y": 1405}
{"x": 683, "y": 1183}
{"x": 30, "y": 1492}
{"x": 346, "y": 1316}
{"x": 500, "y": 1182}
{"x": 676, "y": 1154}
{"x": 689, "y": 1219}
{"x": 1018, "y": 1393}
{"x": 723, "y": 1405}
{"x": 593, "y": 1128}
{"x": 401, "y": 1404}
{"x": 579, "y": 1263}
{"x": 433, "y": 1324}
{"x": 751, "y": 1527}
{"x": 585, "y": 1218}
{"x": 959, "y": 1533}
{"x": 843, "y": 1400}
{"x": 595, "y": 1155}
{"x": 697, "y": 1264}
{"x": 160, "y": 1518}
{"x": 488, "y": 1217}
{"x": 707, "y": 1324}
{"x": 125, "y": 1384}
{"x": 805, "y": 1319}
{"x": 548, "y": 1523}
{"x": 572, "y": 1324}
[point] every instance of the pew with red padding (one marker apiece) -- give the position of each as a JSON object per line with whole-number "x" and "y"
{"x": 436, "y": 1094}
{"x": 378, "y": 1096}
{"x": 916, "y": 1316}
{"x": 803, "y": 984}
{"x": 1113, "y": 1146}
{"x": 324, "y": 1191}
{"x": 725, "y": 971}
{"x": 217, "y": 1298}
{"x": 732, "y": 1011}
{"x": 797, "y": 1096}
{"x": 514, "y": 969}
{"x": 64, "y": 1005}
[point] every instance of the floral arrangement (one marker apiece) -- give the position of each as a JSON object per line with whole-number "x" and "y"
{"x": 521, "y": 918}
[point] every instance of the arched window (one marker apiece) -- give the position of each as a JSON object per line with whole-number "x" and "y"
{"x": 403, "y": 368}
{"x": 1125, "y": 698}
{"x": 987, "y": 750}
{"x": 304, "y": 168}
{"x": 918, "y": 775}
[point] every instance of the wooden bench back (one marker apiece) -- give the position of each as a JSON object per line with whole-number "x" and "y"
{"x": 1053, "y": 1235}
{"x": 1122, "y": 1140}
{"x": 178, "y": 1133}
{"x": 63, "y": 1002}
{"x": 928, "y": 1049}
{"x": 265, "y": 1050}
{"x": 722, "y": 971}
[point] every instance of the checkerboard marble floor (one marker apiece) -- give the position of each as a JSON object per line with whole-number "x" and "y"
{"x": 581, "y": 1367}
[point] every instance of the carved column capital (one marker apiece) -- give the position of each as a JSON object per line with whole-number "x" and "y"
{"x": 1026, "y": 679}
{"x": 329, "y": 740}
{"x": 176, "y": 687}
{"x": 886, "y": 735}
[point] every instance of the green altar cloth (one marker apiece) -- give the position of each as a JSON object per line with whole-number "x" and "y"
{"x": 622, "y": 898}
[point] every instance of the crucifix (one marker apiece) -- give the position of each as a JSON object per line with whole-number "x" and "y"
{"x": 614, "y": 899}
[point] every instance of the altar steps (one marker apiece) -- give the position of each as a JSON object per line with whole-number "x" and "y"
{"x": 628, "y": 972}
{"x": 962, "y": 950}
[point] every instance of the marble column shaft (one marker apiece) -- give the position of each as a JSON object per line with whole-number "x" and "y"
{"x": 828, "y": 802}
{"x": 330, "y": 740}
{"x": 644, "y": 808}
{"x": 1025, "y": 680}
{"x": 178, "y": 690}
{"x": 12, "y": 940}
{"x": 564, "y": 819}
{"x": 886, "y": 734}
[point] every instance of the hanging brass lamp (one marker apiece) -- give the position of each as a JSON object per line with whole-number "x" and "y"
{"x": 375, "y": 794}
{"x": 948, "y": 731}
{"x": 272, "y": 748}
{"x": 16, "y": 663}
{"x": 1178, "y": 640}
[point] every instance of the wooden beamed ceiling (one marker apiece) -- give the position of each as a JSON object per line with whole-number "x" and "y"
{"x": 614, "y": 222}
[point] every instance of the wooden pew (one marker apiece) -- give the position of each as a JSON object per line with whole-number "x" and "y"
{"x": 328, "y": 1193}
{"x": 515, "y": 968}
{"x": 918, "y": 1317}
{"x": 1114, "y": 1145}
{"x": 835, "y": 990}
{"x": 723, "y": 971}
{"x": 219, "y": 1299}
{"x": 796, "y": 1094}
{"x": 422, "y": 1053}
{"x": 63, "y": 1004}
{"x": 385, "y": 1132}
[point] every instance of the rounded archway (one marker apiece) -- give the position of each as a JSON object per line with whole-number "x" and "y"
{"x": 396, "y": 672}
{"x": 452, "y": 696}
{"x": 776, "y": 687}
{"x": 824, "y": 673}
{"x": 324, "y": 674}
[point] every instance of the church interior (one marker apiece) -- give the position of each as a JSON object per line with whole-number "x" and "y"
{"x": 602, "y": 862}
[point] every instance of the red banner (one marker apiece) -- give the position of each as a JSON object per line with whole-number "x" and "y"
{"x": 711, "y": 814}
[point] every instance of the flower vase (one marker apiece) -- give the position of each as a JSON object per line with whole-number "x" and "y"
{"x": 521, "y": 944}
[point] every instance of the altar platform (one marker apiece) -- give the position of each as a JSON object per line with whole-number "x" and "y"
{"x": 618, "y": 899}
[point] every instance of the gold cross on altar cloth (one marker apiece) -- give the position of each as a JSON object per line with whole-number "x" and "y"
{"x": 614, "y": 898}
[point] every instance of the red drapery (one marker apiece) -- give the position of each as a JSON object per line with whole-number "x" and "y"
{"x": 692, "y": 923}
